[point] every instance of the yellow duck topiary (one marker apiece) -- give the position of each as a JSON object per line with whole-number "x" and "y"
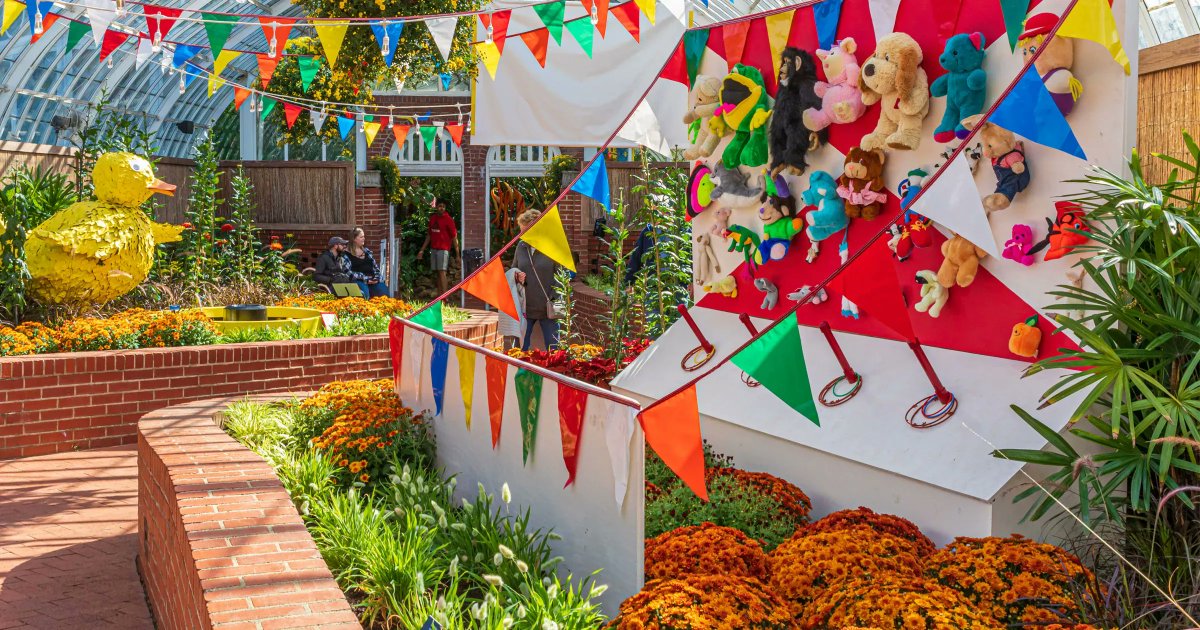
{"x": 97, "y": 251}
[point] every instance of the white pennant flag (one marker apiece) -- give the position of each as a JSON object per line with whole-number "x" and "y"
{"x": 617, "y": 422}
{"x": 318, "y": 121}
{"x": 883, "y": 16}
{"x": 144, "y": 50}
{"x": 100, "y": 14}
{"x": 953, "y": 200}
{"x": 644, "y": 128}
{"x": 410, "y": 389}
{"x": 442, "y": 30}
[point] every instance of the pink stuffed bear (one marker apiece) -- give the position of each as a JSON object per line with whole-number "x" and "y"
{"x": 841, "y": 98}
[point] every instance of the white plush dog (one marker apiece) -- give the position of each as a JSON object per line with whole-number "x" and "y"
{"x": 933, "y": 295}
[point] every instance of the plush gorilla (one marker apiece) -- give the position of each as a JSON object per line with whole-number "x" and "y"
{"x": 790, "y": 139}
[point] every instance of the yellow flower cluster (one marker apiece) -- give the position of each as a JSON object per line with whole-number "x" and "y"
{"x": 350, "y": 306}
{"x": 705, "y": 549}
{"x": 134, "y": 328}
{"x": 704, "y": 602}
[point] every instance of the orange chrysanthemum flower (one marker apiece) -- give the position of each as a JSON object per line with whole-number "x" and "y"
{"x": 705, "y": 549}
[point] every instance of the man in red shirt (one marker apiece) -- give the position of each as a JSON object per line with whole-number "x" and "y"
{"x": 441, "y": 236}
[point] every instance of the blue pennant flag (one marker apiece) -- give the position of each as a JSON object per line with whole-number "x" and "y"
{"x": 1029, "y": 111}
{"x": 190, "y": 72}
{"x": 437, "y": 364}
{"x": 446, "y": 79}
{"x": 826, "y": 14}
{"x": 345, "y": 126}
{"x": 424, "y": 117}
{"x": 431, "y": 624}
{"x": 183, "y": 54}
{"x": 34, "y": 8}
{"x": 594, "y": 183}
{"x": 388, "y": 30}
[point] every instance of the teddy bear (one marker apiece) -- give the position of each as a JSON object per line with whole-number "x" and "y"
{"x": 1020, "y": 247}
{"x": 892, "y": 76}
{"x": 861, "y": 183}
{"x": 744, "y": 110}
{"x": 933, "y": 295}
{"x": 790, "y": 139}
{"x": 1007, "y": 155}
{"x": 841, "y": 98}
{"x": 964, "y": 85}
{"x": 706, "y": 95}
{"x": 780, "y": 225}
{"x": 961, "y": 262}
{"x": 828, "y": 216}
{"x": 1054, "y": 64}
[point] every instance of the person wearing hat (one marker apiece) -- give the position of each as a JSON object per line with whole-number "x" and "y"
{"x": 331, "y": 266}
{"x": 1054, "y": 64}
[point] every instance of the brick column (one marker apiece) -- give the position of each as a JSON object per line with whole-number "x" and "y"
{"x": 371, "y": 214}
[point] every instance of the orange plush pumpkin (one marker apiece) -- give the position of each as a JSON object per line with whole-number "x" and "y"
{"x": 1026, "y": 338}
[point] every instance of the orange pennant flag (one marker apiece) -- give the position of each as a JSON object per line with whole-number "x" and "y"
{"x": 537, "y": 42}
{"x": 601, "y": 13}
{"x": 239, "y": 96}
{"x": 630, "y": 17}
{"x": 47, "y": 20}
{"x": 672, "y": 429}
{"x": 456, "y": 132}
{"x": 499, "y": 23}
{"x": 266, "y": 68}
{"x": 497, "y": 381}
{"x": 401, "y": 132}
{"x": 735, "y": 41}
{"x": 290, "y": 113}
{"x": 491, "y": 286}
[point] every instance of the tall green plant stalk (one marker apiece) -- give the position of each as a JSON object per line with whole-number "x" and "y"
{"x": 567, "y": 333}
{"x": 667, "y": 265}
{"x": 199, "y": 259}
{"x": 247, "y": 250}
{"x": 621, "y": 314}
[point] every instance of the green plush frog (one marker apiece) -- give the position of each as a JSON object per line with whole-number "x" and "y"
{"x": 745, "y": 108}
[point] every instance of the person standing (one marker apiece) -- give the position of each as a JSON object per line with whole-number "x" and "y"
{"x": 540, "y": 291}
{"x": 440, "y": 239}
{"x": 513, "y": 330}
{"x": 328, "y": 271}
{"x": 363, "y": 268}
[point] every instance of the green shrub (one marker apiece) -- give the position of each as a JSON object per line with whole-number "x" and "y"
{"x": 258, "y": 426}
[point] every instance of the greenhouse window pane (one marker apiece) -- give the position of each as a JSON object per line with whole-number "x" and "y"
{"x": 1167, "y": 22}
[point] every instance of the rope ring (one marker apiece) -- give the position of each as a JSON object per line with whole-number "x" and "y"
{"x": 697, "y": 351}
{"x": 750, "y": 382}
{"x": 839, "y": 398}
{"x": 931, "y": 419}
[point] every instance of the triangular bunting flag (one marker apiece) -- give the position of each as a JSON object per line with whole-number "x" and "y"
{"x": 100, "y": 13}
{"x": 428, "y": 135}
{"x": 870, "y": 282}
{"x": 537, "y": 40}
{"x": 438, "y": 362}
{"x": 552, "y": 16}
{"x": 442, "y": 31}
{"x": 291, "y": 112}
{"x": 466, "y": 379}
{"x": 317, "y": 119}
{"x": 190, "y": 72}
{"x": 776, "y": 359}
{"x": 144, "y": 49}
{"x": 456, "y": 132}
{"x": 630, "y": 17}
{"x": 331, "y": 36}
{"x": 779, "y": 27}
{"x": 735, "y": 41}
{"x": 491, "y": 286}
{"x": 266, "y": 68}
{"x": 953, "y": 200}
{"x": 594, "y": 183}
{"x": 276, "y": 29}
{"x": 498, "y": 22}
{"x": 883, "y": 18}
{"x": 647, "y": 7}
{"x": 214, "y": 82}
{"x": 239, "y": 96}
{"x": 529, "y": 401}
{"x": 618, "y": 423}
{"x": 383, "y": 121}
{"x": 12, "y": 11}
{"x": 582, "y": 31}
{"x": 496, "y": 372}
{"x": 672, "y": 430}
{"x": 218, "y": 27}
{"x": 309, "y": 66}
{"x": 370, "y": 129}
{"x": 47, "y": 22}
{"x": 182, "y": 55}
{"x": 489, "y": 54}
{"x": 827, "y": 14}
{"x": 694, "y": 43}
{"x": 676, "y": 68}
{"x": 387, "y": 33}
{"x": 598, "y": 10}
{"x": 411, "y": 389}
{"x": 572, "y": 405}
{"x": 1014, "y": 19}
{"x": 431, "y": 317}
{"x": 112, "y": 41}
{"x": 223, "y": 59}
{"x": 37, "y": 12}
{"x": 75, "y": 33}
{"x": 400, "y": 131}
{"x": 159, "y": 21}
{"x": 1029, "y": 110}
{"x": 1093, "y": 19}
{"x": 396, "y": 349}
{"x": 268, "y": 105}
{"x": 345, "y": 126}
{"x": 548, "y": 237}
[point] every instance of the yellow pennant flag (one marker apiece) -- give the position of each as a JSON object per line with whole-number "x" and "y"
{"x": 490, "y": 55}
{"x": 466, "y": 378}
{"x": 331, "y": 36}
{"x": 214, "y": 82}
{"x": 369, "y": 130}
{"x": 647, "y": 7}
{"x": 1093, "y": 19}
{"x": 223, "y": 59}
{"x": 12, "y": 10}
{"x": 779, "y": 26}
{"x": 548, "y": 237}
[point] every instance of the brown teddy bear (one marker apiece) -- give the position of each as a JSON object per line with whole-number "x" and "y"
{"x": 861, "y": 183}
{"x": 706, "y": 98}
{"x": 1007, "y": 155}
{"x": 961, "y": 262}
{"x": 893, "y": 77}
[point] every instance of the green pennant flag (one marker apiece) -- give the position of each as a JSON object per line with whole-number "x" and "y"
{"x": 529, "y": 400}
{"x": 309, "y": 66}
{"x": 430, "y": 318}
{"x": 218, "y": 27}
{"x": 428, "y": 134}
{"x": 268, "y": 106}
{"x": 552, "y": 16}
{"x": 1014, "y": 19}
{"x": 582, "y": 31}
{"x": 776, "y": 359}
{"x": 693, "y": 50}
{"x": 75, "y": 33}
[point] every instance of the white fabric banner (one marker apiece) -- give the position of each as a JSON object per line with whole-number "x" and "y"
{"x": 953, "y": 200}
{"x": 410, "y": 388}
{"x": 617, "y": 423}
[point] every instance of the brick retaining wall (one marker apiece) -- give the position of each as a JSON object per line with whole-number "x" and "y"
{"x": 52, "y": 403}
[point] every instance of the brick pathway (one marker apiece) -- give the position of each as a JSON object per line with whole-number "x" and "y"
{"x": 68, "y": 527}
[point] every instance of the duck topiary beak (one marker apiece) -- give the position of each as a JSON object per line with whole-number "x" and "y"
{"x": 159, "y": 186}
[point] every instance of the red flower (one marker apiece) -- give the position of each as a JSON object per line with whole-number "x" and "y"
{"x": 187, "y": 226}
{"x": 274, "y": 238}
{"x": 227, "y": 228}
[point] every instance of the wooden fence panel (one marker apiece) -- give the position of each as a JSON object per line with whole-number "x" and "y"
{"x": 1168, "y": 102}
{"x": 48, "y": 157}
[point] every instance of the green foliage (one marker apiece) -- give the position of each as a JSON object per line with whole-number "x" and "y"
{"x": 667, "y": 267}
{"x": 29, "y": 197}
{"x": 567, "y": 332}
{"x": 198, "y": 262}
{"x": 256, "y": 335}
{"x": 244, "y": 248}
{"x": 389, "y": 178}
{"x": 622, "y": 314}
{"x": 258, "y": 426}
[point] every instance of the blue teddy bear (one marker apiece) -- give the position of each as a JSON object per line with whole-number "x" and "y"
{"x": 964, "y": 85}
{"x": 830, "y": 214}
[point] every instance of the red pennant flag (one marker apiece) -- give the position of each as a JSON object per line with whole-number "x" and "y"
{"x": 871, "y": 283}
{"x": 112, "y": 41}
{"x": 383, "y": 122}
{"x": 499, "y": 24}
{"x": 47, "y": 20}
{"x": 537, "y": 42}
{"x": 676, "y": 68}
{"x": 572, "y": 404}
{"x": 160, "y": 19}
{"x": 497, "y": 381}
{"x": 491, "y": 286}
{"x": 290, "y": 113}
{"x": 456, "y": 133}
{"x": 239, "y": 96}
{"x": 735, "y": 41}
{"x": 266, "y": 68}
{"x": 396, "y": 346}
{"x": 401, "y": 132}
{"x": 629, "y": 15}
{"x": 672, "y": 430}
{"x": 278, "y": 29}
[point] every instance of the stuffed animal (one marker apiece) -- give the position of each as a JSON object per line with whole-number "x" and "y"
{"x": 706, "y": 98}
{"x": 1007, "y": 155}
{"x": 746, "y": 242}
{"x": 1054, "y": 64}
{"x": 802, "y": 292}
{"x": 933, "y": 295}
{"x": 841, "y": 98}
{"x": 720, "y": 227}
{"x": 732, "y": 187}
{"x": 1026, "y": 338}
{"x": 771, "y": 299}
{"x": 828, "y": 215}
{"x": 1062, "y": 235}
{"x": 707, "y": 265}
{"x": 861, "y": 183}
{"x": 964, "y": 85}
{"x": 912, "y": 229}
{"x": 973, "y": 153}
{"x": 961, "y": 262}
{"x": 745, "y": 108}
{"x": 790, "y": 139}
{"x": 893, "y": 77}
{"x": 726, "y": 286}
{"x": 1021, "y": 247}
{"x": 780, "y": 224}
{"x": 700, "y": 190}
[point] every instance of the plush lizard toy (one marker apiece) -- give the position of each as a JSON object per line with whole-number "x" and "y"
{"x": 746, "y": 242}
{"x": 745, "y": 108}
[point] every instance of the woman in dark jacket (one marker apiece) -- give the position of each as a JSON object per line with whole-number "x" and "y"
{"x": 362, "y": 268}
{"x": 540, "y": 292}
